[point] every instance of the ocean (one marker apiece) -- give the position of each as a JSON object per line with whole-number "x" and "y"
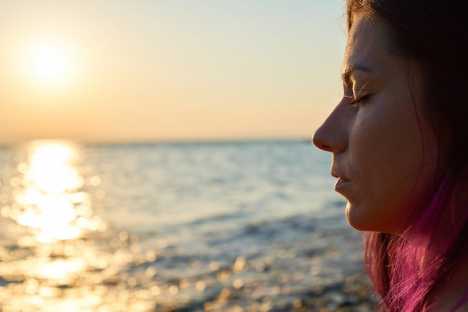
{"x": 194, "y": 226}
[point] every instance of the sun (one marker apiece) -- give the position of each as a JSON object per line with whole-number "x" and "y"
{"x": 50, "y": 64}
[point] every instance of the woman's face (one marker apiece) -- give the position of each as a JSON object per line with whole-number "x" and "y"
{"x": 377, "y": 142}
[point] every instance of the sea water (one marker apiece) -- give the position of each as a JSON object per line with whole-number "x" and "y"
{"x": 215, "y": 226}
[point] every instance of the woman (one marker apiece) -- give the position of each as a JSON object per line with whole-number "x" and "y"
{"x": 399, "y": 141}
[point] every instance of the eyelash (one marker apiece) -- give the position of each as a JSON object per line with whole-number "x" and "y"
{"x": 358, "y": 101}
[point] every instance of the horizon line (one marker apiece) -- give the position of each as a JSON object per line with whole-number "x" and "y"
{"x": 162, "y": 141}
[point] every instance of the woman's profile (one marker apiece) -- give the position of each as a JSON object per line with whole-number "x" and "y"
{"x": 399, "y": 144}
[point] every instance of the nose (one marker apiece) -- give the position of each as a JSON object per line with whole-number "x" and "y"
{"x": 321, "y": 142}
{"x": 332, "y": 136}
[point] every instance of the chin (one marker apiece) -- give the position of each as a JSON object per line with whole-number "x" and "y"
{"x": 357, "y": 219}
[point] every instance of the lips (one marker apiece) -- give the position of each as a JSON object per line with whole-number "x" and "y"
{"x": 342, "y": 184}
{"x": 338, "y": 175}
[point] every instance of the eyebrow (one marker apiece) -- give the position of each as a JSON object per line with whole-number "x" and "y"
{"x": 351, "y": 69}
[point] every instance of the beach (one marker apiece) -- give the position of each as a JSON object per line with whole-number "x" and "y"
{"x": 194, "y": 226}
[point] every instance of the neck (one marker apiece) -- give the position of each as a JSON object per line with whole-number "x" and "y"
{"x": 454, "y": 286}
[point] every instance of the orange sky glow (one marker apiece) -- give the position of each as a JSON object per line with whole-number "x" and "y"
{"x": 168, "y": 70}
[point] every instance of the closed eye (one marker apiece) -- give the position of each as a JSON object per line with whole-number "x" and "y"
{"x": 357, "y": 101}
{"x": 359, "y": 98}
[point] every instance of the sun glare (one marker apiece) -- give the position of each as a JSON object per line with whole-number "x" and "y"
{"x": 51, "y": 64}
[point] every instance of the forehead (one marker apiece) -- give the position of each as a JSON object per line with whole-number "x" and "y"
{"x": 368, "y": 42}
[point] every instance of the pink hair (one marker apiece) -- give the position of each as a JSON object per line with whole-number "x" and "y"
{"x": 405, "y": 268}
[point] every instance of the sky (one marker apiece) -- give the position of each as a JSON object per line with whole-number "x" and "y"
{"x": 120, "y": 70}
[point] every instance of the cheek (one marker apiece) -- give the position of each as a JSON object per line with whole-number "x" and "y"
{"x": 385, "y": 158}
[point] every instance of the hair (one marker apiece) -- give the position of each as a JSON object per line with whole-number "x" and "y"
{"x": 406, "y": 268}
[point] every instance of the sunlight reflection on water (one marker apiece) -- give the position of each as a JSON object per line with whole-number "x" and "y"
{"x": 58, "y": 260}
{"x": 50, "y": 199}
